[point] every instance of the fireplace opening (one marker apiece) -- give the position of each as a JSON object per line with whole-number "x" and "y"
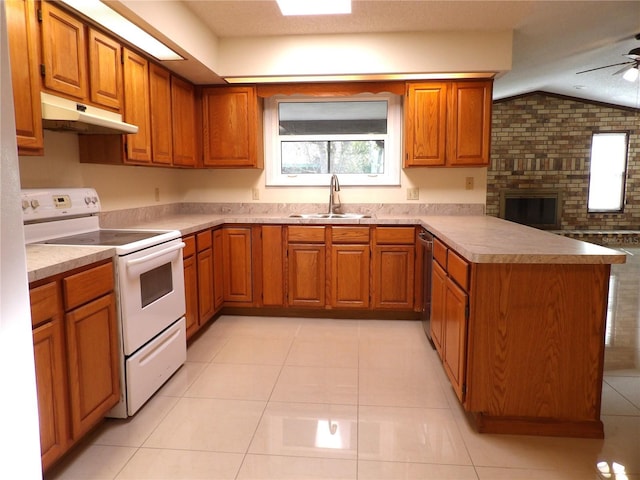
{"x": 539, "y": 208}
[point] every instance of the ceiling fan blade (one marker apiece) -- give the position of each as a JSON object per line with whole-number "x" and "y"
{"x": 606, "y": 66}
{"x": 624, "y": 69}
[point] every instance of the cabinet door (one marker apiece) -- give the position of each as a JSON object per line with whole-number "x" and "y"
{"x": 93, "y": 362}
{"x": 469, "y": 130}
{"x": 350, "y": 276}
{"x": 455, "y": 336}
{"x": 183, "y": 123}
{"x": 105, "y": 70}
{"x": 64, "y": 54}
{"x": 136, "y": 107}
{"x": 425, "y": 123}
{"x": 306, "y": 275}
{"x": 438, "y": 295}
{"x": 205, "y": 277}
{"x": 25, "y": 75}
{"x": 190, "y": 285}
{"x": 160, "y": 110}
{"x": 237, "y": 264}
{"x": 218, "y": 269}
{"x": 48, "y": 351}
{"x": 272, "y": 266}
{"x": 393, "y": 276}
{"x": 231, "y": 125}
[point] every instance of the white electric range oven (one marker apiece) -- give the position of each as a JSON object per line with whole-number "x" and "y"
{"x": 149, "y": 284}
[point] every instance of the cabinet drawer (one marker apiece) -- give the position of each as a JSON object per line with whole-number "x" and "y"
{"x": 189, "y": 246}
{"x": 203, "y": 240}
{"x": 395, "y": 235}
{"x": 44, "y": 303}
{"x": 305, "y": 234}
{"x": 458, "y": 269}
{"x": 440, "y": 253}
{"x": 85, "y": 286}
{"x": 350, "y": 234}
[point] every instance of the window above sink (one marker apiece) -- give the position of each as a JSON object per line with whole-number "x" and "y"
{"x": 307, "y": 139}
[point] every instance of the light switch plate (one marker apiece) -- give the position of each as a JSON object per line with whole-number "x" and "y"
{"x": 255, "y": 193}
{"x": 413, "y": 193}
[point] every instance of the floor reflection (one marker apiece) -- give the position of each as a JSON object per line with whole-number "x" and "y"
{"x": 622, "y": 333}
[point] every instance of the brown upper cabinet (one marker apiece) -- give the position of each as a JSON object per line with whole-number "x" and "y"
{"x": 136, "y": 107}
{"x": 105, "y": 70}
{"x": 78, "y": 61}
{"x": 447, "y": 123}
{"x": 232, "y": 127}
{"x": 183, "y": 126}
{"x": 160, "y": 104}
{"x": 23, "y": 34}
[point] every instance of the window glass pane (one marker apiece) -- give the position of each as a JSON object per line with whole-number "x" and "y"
{"x": 360, "y": 156}
{"x": 305, "y": 157}
{"x": 335, "y": 156}
{"x": 607, "y": 173}
{"x": 328, "y": 118}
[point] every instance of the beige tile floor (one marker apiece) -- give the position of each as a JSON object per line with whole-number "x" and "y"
{"x": 292, "y": 398}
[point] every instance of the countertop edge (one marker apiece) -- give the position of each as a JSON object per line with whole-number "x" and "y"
{"x": 448, "y": 228}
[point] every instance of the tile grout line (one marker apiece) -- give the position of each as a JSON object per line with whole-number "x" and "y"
{"x": 268, "y": 400}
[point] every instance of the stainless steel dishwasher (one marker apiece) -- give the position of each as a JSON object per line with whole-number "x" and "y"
{"x": 426, "y": 243}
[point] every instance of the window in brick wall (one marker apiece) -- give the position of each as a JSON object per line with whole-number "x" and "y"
{"x": 607, "y": 172}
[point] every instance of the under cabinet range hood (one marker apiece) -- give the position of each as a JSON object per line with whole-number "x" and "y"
{"x": 67, "y": 115}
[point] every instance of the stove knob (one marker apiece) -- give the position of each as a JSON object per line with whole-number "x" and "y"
{"x": 87, "y": 200}
{"x": 94, "y": 200}
{"x": 35, "y": 203}
{"x": 25, "y": 204}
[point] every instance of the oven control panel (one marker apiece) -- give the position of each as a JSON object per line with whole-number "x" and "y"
{"x": 40, "y": 204}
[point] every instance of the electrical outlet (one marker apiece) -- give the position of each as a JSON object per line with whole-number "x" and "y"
{"x": 413, "y": 193}
{"x": 156, "y": 194}
{"x": 255, "y": 193}
{"x": 468, "y": 183}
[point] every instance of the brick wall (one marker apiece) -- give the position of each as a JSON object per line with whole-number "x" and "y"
{"x": 544, "y": 141}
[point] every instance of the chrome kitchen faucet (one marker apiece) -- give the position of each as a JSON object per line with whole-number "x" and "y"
{"x": 334, "y": 188}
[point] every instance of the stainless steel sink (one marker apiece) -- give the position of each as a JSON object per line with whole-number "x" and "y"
{"x": 329, "y": 215}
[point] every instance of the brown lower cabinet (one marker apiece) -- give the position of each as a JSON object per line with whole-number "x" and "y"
{"x": 237, "y": 265}
{"x": 74, "y": 326}
{"x": 522, "y": 343}
{"x": 202, "y": 259}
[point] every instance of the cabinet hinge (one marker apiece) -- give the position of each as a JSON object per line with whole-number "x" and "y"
{"x": 42, "y": 69}
{"x": 40, "y": 15}
{"x": 466, "y": 312}
{"x": 464, "y": 388}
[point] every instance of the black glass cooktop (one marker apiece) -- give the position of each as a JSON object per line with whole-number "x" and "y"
{"x": 107, "y": 238}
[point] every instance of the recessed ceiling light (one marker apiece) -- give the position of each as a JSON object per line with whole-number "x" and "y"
{"x": 125, "y": 29}
{"x": 579, "y": 87}
{"x": 314, "y": 7}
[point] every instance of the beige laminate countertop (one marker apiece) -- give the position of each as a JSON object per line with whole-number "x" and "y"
{"x": 479, "y": 239}
{"x": 46, "y": 260}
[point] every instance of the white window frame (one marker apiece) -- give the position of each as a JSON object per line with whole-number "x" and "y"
{"x": 605, "y": 182}
{"x": 393, "y": 144}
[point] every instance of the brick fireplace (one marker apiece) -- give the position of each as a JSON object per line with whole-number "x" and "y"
{"x": 543, "y": 142}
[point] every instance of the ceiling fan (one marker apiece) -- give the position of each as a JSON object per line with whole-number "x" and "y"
{"x": 631, "y": 69}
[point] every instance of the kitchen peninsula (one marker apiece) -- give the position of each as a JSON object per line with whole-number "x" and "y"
{"x": 525, "y": 355}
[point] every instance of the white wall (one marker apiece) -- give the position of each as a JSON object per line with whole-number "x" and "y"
{"x": 127, "y": 186}
{"x": 379, "y": 53}
{"x": 19, "y": 436}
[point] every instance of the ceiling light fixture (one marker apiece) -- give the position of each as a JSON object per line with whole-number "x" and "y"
{"x": 632, "y": 74}
{"x": 125, "y": 29}
{"x": 314, "y": 7}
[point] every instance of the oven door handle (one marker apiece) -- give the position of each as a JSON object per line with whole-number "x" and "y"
{"x": 137, "y": 262}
